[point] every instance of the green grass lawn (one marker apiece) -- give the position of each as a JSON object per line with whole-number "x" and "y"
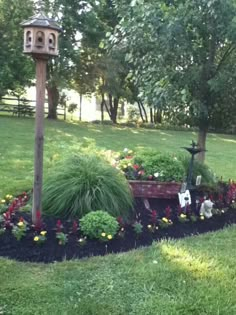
{"x": 194, "y": 276}
{"x": 17, "y": 147}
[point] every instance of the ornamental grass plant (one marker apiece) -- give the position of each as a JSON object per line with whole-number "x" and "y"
{"x": 84, "y": 183}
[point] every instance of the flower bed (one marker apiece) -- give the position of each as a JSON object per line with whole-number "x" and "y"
{"x": 53, "y": 239}
{"x": 152, "y": 189}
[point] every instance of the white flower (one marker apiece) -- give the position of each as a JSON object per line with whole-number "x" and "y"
{"x": 126, "y": 150}
{"x": 154, "y": 261}
{"x": 156, "y": 174}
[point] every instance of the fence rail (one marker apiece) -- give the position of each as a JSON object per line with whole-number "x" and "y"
{"x": 22, "y": 107}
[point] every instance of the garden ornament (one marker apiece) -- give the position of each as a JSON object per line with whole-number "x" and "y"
{"x": 206, "y": 208}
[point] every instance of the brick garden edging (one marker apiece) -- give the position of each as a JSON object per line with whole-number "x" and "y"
{"x": 153, "y": 189}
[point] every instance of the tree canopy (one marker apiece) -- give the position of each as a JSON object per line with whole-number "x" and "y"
{"x": 16, "y": 70}
{"x": 183, "y": 55}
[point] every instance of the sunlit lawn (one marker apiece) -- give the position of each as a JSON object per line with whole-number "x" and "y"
{"x": 17, "y": 146}
{"x": 195, "y": 276}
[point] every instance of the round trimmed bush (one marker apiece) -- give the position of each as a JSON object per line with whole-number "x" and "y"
{"x": 99, "y": 224}
{"x": 85, "y": 183}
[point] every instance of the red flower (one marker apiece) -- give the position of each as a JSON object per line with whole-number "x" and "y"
{"x": 168, "y": 212}
{"x": 179, "y": 210}
{"x": 7, "y": 219}
{"x": 136, "y": 166}
{"x": 154, "y": 216}
{"x": 75, "y": 227}
{"x": 11, "y": 209}
{"x": 120, "y": 221}
{"x": 201, "y": 199}
{"x": 129, "y": 157}
{"x": 59, "y": 226}
{"x": 21, "y": 219}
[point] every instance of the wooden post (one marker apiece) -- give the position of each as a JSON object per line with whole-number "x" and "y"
{"x": 39, "y": 136}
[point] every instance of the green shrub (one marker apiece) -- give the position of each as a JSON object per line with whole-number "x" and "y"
{"x": 85, "y": 183}
{"x": 100, "y": 225}
{"x": 166, "y": 167}
{"x": 208, "y": 177}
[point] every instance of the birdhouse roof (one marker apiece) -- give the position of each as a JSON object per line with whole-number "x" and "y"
{"x": 41, "y": 20}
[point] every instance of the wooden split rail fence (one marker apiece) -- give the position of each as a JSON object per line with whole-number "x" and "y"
{"x": 22, "y": 107}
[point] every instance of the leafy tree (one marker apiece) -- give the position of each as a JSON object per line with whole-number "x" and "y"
{"x": 100, "y": 69}
{"x": 183, "y": 54}
{"x": 60, "y": 69}
{"x": 16, "y": 70}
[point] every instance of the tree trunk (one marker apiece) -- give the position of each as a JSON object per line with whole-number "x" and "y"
{"x": 53, "y": 99}
{"x": 102, "y": 108}
{"x": 80, "y": 106}
{"x": 140, "y": 112}
{"x": 114, "y": 110}
{"x": 202, "y": 134}
{"x": 159, "y": 116}
{"x": 144, "y": 111}
{"x": 151, "y": 115}
{"x": 113, "y": 104}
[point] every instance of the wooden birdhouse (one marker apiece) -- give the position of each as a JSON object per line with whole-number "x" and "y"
{"x": 41, "y": 36}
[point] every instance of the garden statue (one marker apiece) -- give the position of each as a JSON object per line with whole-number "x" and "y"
{"x": 206, "y": 209}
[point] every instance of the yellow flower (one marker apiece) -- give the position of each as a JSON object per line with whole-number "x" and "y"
{"x": 20, "y": 223}
{"x": 183, "y": 215}
{"x": 43, "y": 233}
{"x": 202, "y": 217}
{"x": 103, "y": 234}
{"x": 8, "y": 197}
{"x": 165, "y": 220}
{"x": 149, "y": 226}
{"x": 109, "y": 237}
{"x": 36, "y": 238}
{"x": 129, "y": 164}
{"x": 3, "y": 201}
{"x": 130, "y": 152}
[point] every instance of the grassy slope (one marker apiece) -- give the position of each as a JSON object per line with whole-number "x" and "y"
{"x": 192, "y": 276}
{"x": 17, "y": 138}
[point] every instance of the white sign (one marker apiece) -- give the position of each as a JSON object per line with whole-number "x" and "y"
{"x": 184, "y": 198}
{"x": 198, "y": 180}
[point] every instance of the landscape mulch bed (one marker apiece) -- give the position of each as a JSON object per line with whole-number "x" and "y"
{"x": 51, "y": 251}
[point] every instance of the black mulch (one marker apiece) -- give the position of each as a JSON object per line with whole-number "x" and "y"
{"x": 50, "y": 251}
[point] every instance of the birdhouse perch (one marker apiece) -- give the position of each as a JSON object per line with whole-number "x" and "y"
{"x": 41, "y": 36}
